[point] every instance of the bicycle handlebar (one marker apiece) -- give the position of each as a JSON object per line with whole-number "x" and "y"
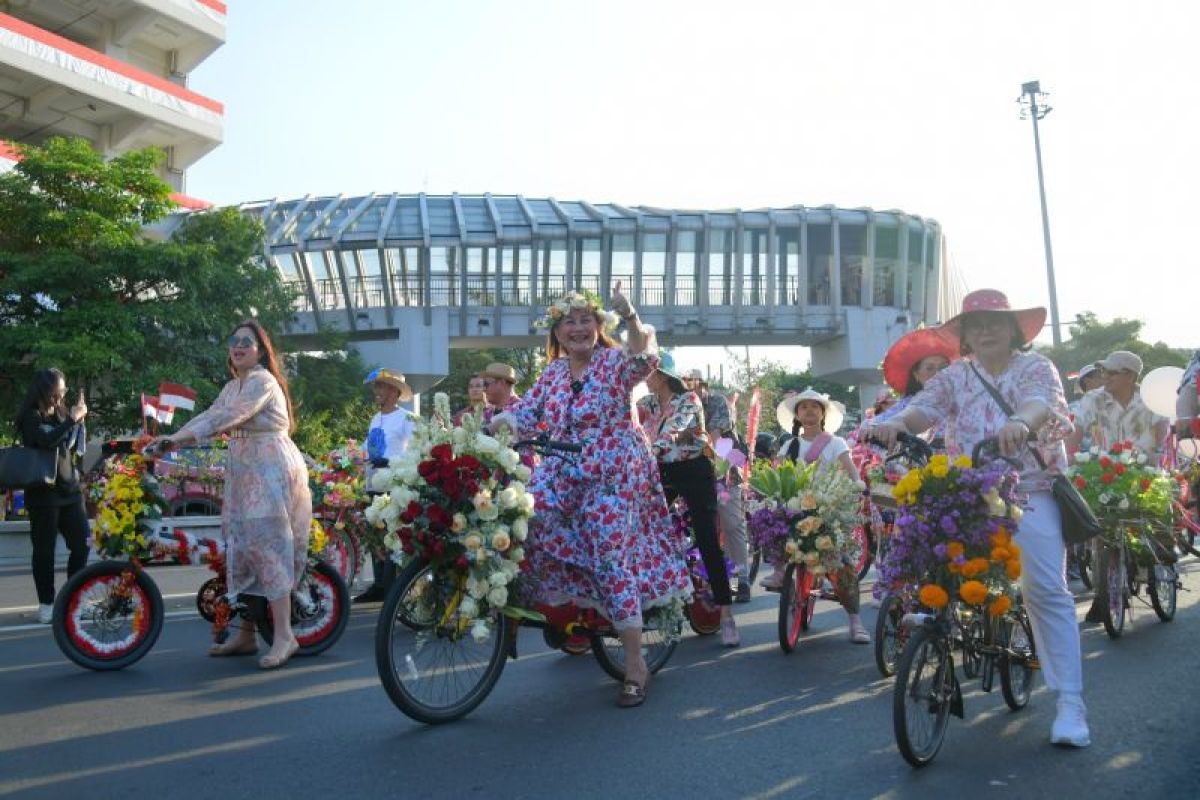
{"x": 914, "y": 448}
{"x": 545, "y": 443}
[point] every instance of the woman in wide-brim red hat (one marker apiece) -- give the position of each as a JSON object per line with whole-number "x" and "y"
{"x": 1003, "y": 390}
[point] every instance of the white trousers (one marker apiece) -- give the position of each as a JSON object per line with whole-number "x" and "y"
{"x": 1049, "y": 602}
{"x": 733, "y": 524}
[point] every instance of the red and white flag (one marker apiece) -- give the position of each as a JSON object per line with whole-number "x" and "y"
{"x": 752, "y": 427}
{"x": 155, "y": 409}
{"x": 176, "y": 395}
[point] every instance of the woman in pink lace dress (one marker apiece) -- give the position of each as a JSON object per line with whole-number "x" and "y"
{"x": 602, "y": 536}
{"x": 268, "y": 508}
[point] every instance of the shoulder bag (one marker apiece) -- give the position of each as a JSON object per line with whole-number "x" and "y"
{"x": 27, "y": 467}
{"x": 1079, "y": 522}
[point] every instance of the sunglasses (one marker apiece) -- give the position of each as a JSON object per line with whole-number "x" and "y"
{"x": 241, "y": 341}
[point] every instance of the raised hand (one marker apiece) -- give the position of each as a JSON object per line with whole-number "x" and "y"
{"x": 619, "y": 302}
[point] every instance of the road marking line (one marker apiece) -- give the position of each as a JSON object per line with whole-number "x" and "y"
{"x": 37, "y": 625}
{"x": 19, "y": 609}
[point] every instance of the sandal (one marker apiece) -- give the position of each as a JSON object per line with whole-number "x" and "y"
{"x": 729, "y": 633}
{"x": 633, "y": 694}
{"x": 275, "y": 662}
{"x": 859, "y": 635}
{"x": 233, "y": 648}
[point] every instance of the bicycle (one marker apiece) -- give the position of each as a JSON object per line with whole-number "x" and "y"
{"x": 1130, "y": 557}
{"x": 435, "y": 672}
{"x": 927, "y": 690}
{"x": 110, "y": 614}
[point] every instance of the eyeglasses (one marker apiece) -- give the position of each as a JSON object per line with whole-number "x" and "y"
{"x": 240, "y": 341}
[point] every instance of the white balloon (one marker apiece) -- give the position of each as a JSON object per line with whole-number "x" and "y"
{"x": 1159, "y": 387}
{"x": 1188, "y": 449}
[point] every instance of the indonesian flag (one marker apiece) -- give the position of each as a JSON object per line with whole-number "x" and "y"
{"x": 155, "y": 409}
{"x": 752, "y": 427}
{"x": 176, "y": 395}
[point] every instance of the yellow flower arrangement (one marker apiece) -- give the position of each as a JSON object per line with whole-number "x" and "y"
{"x": 128, "y": 504}
{"x": 316, "y": 538}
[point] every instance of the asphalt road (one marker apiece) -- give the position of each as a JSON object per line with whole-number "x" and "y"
{"x": 749, "y": 722}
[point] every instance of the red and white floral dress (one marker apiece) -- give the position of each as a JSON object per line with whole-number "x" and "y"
{"x": 601, "y": 537}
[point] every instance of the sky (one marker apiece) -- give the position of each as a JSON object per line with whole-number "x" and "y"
{"x": 750, "y": 104}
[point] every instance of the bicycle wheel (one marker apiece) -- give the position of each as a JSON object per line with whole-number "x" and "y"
{"x": 108, "y": 616}
{"x": 1083, "y": 556}
{"x": 339, "y": 553}
{"x": 657, "y": 646}
{"x": 755, "y": 562}
{"x": 1112, "y": 572}
{"x": 207, "y": 597}
{"x": 1017, "y": 660}
{"x": 703, "y": 615}
{"x": 796, "y": 603}
{"x": 922, "y": 696}
{"x": 320, "y": 611}
{"x": 862, "y": 533}
{"x": 437, "y": 673}
{"x": 412, "y": 611}
{"x": 972, "y": 659}
{"x": 889, "y": 635}
{"x": 1164, "y": 582}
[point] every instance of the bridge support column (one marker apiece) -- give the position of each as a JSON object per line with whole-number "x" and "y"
{"x": 420, "y": 351}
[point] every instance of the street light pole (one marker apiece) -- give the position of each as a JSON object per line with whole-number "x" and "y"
{"x": 1030, "y": 93}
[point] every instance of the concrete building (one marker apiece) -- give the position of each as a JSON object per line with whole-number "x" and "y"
{"x": 113, "y": 72}
{"x": 410, "y": 276}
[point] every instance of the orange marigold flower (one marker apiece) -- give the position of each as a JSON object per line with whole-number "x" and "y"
{"x": 973, "y": 592}
{"x": 954, "y": 568}
{"x": 1000, "y": 554}
{"x": 976, "y": 566}
{"x": 1013, "y": 569}
{"x": 999, "y": 606}
{"x": 933, "y": 596}
{"x": 1001, "y": 537}
{"x": 954, "y": 550}
{"x": 1014, "y": 550}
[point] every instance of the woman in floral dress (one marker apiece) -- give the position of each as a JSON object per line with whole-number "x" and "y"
{"x": 268, "y": 509}
{"x": 602, "y": 536}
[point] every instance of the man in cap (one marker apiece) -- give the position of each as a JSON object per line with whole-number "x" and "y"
{"x": 1115, "y": 412}
{"x": 387, "y": 438}
{"x": 732, "y": 513}
{"x": 499, "y": 380}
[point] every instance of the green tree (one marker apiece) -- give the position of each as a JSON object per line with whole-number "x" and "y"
{"x": 87, "y": 289}
{"x": 1091, "y": 340}
{"x": 331, "y": 402}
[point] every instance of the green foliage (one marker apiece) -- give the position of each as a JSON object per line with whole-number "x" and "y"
{"x": 331, "y": 402}
{"x": 88, "y": 291}
{"x": 783, "y": 482}
{"x": 1091, "y": 340}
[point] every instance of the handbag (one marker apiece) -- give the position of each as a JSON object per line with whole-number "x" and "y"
{"x": 1079, "y": 522}
{"x": 27, "y": 467}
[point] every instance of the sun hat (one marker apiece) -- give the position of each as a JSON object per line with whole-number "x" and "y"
{"x": 910, "y": 349}
{"x": 1029, "y": 320}
{"x": 1122, "y": 359}
{"x": 785, "y": 412}
{"x": 393, "y": 379}
{"x": 666, "y": 365}
{"x": 502, "y": 372}
{"x": 1083, "y": 373}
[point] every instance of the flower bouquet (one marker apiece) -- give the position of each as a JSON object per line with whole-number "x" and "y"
{"x": 1126, "y": 491}
{"x": 954, "y": 532}
{"x": 457, "y": 500}
{"x": 129, "y": 505}
{"x": 804, "y": 514}
{"x": 339, "y": 501}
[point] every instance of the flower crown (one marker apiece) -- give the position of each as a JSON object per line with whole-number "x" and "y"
{"x": 584, "y": 299}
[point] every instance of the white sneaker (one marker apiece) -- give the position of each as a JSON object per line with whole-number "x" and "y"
{"x": 1070, "y": 725}
{"x": 45, "y": 614}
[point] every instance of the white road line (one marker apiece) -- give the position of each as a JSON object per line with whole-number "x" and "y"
{"x": 20, "y": 609}
{"x": 39, "y": 626}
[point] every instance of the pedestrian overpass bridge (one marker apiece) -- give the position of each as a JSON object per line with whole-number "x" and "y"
{"x": 407, "y": 277}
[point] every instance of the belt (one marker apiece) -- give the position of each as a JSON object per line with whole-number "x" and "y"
{"x": 239, "y": 433}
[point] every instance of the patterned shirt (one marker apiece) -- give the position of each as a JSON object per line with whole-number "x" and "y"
{"x": 1103, "y": 417}
{"x": 716, "y": 410}
{"x": 956, "y": 398}
{"x": 685, "y": 413}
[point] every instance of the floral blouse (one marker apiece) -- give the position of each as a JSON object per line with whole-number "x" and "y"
{"x": 665, "y": 427}
{"x": 1108, "y": 422}
{"x": 956, "y": 398}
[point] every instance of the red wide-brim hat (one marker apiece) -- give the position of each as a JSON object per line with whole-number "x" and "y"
{"x": 1029, "y": 320}
{"x": 908, "y": 351}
